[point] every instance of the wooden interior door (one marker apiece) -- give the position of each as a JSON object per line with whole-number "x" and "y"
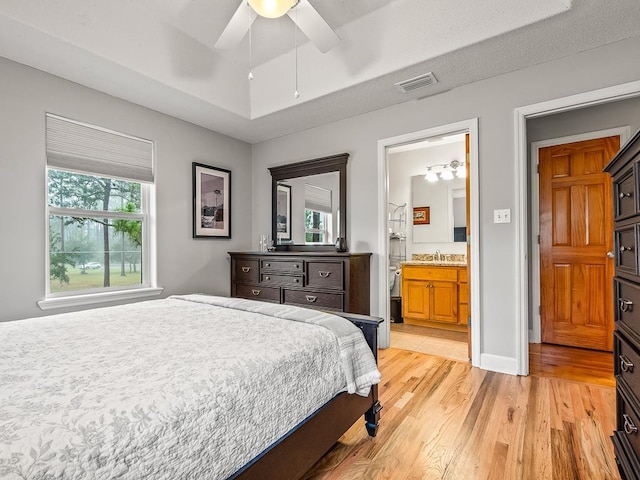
{"x": 576, "y": 233}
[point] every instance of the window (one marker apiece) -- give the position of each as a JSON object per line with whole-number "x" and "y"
{"x": 317, "y": 214}
{"x": 316, "y": 226}
{"x": 98, "y": 200}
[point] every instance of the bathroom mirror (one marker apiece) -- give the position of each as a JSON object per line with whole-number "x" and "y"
{"x": 446, "y": 200}
{"x": 309, "y": 202}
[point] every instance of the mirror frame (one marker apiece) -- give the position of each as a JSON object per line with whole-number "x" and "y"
{"x": 333, "y": 163}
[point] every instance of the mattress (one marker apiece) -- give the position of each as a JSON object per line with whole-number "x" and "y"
{"x": 185, "y": 387}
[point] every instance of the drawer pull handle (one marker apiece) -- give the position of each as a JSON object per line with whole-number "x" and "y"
{"x": 623, "y": 194}
{"x": 246, "y": 269}
{"x": 267, "y": 278}
{"x": 267, "y": 264}
{"x": 311, "y": 298}
{"x": 626, "y": 249}
{"x": 629, "y": 427}
{"x": 626, "y": 365}
{"x": 255, "y": 292}
{"x": 324, "y": 274}
{"x": 296, "y": 280}
{"x": 625, "y": 305}
{"x": 296, "y": 266}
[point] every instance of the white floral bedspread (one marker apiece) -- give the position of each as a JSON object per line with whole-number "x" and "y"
{"x": 180, "y": 388}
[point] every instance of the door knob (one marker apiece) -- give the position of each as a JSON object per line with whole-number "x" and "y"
{"x": 611, "y": 255}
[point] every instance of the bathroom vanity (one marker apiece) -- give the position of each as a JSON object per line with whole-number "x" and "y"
{"x": 435, "y": 295}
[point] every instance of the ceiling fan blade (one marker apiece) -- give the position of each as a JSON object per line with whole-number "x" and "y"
{"x": 314, "y": 26}
{"x": 237, "y": 27}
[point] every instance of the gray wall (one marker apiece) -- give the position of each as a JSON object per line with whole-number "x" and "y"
{"x": 184, "y": 264}
{"x": 493, "y": 101}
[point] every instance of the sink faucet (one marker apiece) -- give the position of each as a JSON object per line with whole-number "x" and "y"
{"x": 437, "y": 255}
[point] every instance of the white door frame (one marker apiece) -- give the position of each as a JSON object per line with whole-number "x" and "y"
{"x": 521, "y": 114}
{"x": 535, "y": 335}
{"x": 470, "y": 126}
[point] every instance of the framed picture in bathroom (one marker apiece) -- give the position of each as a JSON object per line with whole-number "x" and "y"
{"x": 421, "y": 216}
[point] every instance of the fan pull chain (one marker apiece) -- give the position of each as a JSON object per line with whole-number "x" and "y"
{"x": 296, "y": 94}
{"x": 250, "y": 76}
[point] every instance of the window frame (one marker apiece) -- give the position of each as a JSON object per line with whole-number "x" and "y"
{"x": 148, "y": 287}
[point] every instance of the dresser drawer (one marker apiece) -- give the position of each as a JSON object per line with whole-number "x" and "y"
{"x": 627, "y": 307}
{"x": 628, "y": 422}
{"x": 627, "y": 363}
{"x": 270, "y": 265}
{"x": 279, "y": 280}
{"x": 333, "y": 301}
{"x": 624, "y": 195}
{"x": 626, "y": 249}
{"x": 246, "y": 271}
{"x": 325, "y": 274}
{"x": 258, "y": 293}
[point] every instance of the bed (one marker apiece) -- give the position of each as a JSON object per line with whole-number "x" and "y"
{"x": 191, "y": 386}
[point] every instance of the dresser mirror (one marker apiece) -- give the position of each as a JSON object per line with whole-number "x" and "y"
{"x": 309, "y": 203}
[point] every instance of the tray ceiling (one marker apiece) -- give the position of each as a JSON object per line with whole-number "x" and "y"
{"x": 161, "y": 54}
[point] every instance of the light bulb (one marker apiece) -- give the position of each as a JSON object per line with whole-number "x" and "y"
{"x": 446, "y": 173}
{"x": 431, "y": 176}
{"x": 272, "y": 8}
{"x": 461, "y": 171}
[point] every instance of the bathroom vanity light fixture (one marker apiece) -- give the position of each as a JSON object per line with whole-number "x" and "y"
{"x": 446, "y": 171}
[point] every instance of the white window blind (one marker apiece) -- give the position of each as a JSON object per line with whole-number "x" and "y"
{"x": 316, "y": 198}
{"x": 85, "y": 148}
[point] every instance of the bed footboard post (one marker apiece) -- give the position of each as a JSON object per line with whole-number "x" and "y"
{"x": 369, "y": 326}
{"x": 372, "y": 415}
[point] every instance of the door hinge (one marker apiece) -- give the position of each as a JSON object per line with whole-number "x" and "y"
{"x": 538, "y": 168}
{"x": 539, "y": 310}
{"x": 538, "y": 239}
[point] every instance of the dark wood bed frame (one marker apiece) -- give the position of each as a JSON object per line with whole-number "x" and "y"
{"x": 295, "y": 453}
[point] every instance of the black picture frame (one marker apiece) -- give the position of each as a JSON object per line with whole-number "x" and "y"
{"x": 283, "y": 213}
{"x": 211, "y": 201}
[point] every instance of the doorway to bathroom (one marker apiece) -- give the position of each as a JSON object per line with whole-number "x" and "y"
{"x": 428, "y": 242}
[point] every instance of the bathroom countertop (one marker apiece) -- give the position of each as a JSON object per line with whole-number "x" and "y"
{"x": 435, "y": 263}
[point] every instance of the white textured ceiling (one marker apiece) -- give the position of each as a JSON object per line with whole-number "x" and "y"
{"x": 160, "y": 53}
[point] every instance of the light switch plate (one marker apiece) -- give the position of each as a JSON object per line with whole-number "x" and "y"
{"x": 502, "y": 215}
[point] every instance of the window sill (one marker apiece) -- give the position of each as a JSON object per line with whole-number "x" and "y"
{"x": 98, "y": 298}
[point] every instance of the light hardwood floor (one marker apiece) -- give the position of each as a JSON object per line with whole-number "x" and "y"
{"x": 443, "y": 419}
{"x": 433, "y": 341}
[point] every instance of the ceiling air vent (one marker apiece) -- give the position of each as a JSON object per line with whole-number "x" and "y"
{"x": 417, "y": 82}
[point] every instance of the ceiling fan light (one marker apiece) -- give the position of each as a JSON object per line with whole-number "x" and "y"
{"x": 272, "y": 8}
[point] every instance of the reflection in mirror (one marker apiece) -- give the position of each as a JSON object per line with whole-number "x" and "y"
{"x": 315, "y": 208}
{"x": 309, "y": 202}
{"x": 447, "y": 212}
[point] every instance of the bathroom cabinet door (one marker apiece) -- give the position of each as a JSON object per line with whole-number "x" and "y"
{"x": 431, "y": 300}
{"x": 443, "y": 302}
{"x": 415, "y": 299}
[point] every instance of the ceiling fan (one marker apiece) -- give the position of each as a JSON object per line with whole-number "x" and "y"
{"x": 300, "y": 11}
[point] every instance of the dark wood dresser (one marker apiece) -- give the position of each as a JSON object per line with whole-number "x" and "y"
{"x": 625, "y": 169}
{"x": 323, "y": 280}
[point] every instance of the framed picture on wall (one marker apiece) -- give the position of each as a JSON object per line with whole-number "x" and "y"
{"x": 211, "y": 201}
{"x": 283, "y": 212}
{"x": 421, "y": 216}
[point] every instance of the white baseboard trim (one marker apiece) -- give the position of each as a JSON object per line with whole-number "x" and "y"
{"x": 497, "y": 363}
